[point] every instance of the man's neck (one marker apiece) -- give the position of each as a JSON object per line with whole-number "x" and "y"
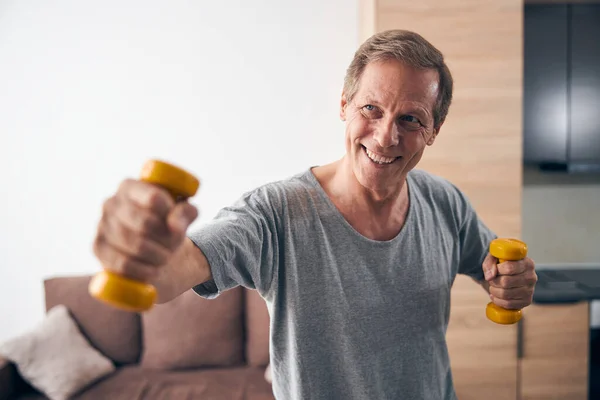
{"x": 377, "y": 216}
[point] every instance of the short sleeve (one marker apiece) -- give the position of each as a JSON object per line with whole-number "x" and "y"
{"x": 475, "y": 238}
{"x": 241, "y": 246}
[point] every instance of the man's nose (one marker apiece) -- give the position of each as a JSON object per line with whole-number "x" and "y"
{"x": 387, "y": 134}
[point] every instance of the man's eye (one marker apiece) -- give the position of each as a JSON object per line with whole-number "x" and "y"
{"x": 411, "y": 119}
{"x": 370, "y": 111}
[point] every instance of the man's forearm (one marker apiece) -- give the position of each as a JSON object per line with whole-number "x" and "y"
{"x": 189, "y": 267}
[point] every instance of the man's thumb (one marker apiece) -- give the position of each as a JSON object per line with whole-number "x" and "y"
{"x": 180, "y": 218}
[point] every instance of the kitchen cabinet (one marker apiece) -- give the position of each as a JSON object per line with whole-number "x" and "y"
{"x": 543, "y": 357}
{"x": 545, "y": 84}
{"x": 553, "y": 352}
{"x": 561, "y": 85}
{"x": 483, "y": 354}
{"x": 585, "y": 84}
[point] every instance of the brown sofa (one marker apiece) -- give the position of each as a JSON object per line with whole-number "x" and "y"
{"x": 188, "y": 348}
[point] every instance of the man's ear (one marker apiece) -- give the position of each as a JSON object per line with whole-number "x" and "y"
{"x": 343, "y": 106}
{"x": 436, "y": 131}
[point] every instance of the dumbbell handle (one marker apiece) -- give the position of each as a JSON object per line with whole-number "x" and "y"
{"x": 125, "y": 293}
{"x": 505, "y": 250}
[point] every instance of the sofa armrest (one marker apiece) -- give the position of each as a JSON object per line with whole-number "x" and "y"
{"x": 8, "y": 379}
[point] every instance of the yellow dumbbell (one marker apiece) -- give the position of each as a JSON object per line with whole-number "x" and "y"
{"x": 125, "y": 293}
{"x": 505, "y": 250}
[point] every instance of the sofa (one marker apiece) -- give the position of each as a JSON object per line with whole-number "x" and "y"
{"x": 188, "y": 348}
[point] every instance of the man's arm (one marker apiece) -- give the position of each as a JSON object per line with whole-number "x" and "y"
{"x": 510, "y": 284}
{"x": 142, "y": 235}
{"x": 188, "y": 268}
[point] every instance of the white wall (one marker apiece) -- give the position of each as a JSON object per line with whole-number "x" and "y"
{"x": 239, "y": 92}
{"x": 561, "y": 217}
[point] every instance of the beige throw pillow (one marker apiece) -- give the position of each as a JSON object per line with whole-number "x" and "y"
{"x": 269, "y": 374}
{"x": 55, "y": 358}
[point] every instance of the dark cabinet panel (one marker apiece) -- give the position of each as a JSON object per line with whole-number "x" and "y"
{"x": 584, "y": 144}
{"x": 545, "y": 84}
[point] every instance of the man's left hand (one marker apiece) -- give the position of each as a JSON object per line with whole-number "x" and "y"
{"x": 511, "y": 283}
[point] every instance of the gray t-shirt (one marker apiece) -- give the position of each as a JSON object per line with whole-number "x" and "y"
{"x": 351, "y": 317}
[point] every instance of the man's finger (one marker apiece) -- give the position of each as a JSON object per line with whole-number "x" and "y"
{"x": 143, "y": 222}
{"x": 514, "y": 281}
{"x": 148, "y": 196}
{"x": 512, "y": 267}
{"x": 520, "y": 293}
{"x": 510, "y": 304}
{"x": 182, "y": 215}
{"x": 490, "y": 269}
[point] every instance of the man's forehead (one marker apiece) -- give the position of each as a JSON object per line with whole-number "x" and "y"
{"x": 391, "y": 79}
{"x": 376, "y": 96}
{"x": 386, "y": 95}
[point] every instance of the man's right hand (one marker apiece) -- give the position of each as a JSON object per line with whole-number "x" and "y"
{"x": 141, "y": 229}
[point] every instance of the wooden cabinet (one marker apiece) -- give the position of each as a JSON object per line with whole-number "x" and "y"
{"x": 544, "y": 357}
{"x": 483, "y": 354}
{"x": 555, "y": 349}
{"x": 480, "y": 149}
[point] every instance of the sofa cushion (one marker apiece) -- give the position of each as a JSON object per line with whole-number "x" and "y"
{"x": 257, "y": 329}
{"x": 137, "y": 383}
{"x": 115, "y": 333}
{"x": 55, "y": 357}
{"x": 190, "y": 332}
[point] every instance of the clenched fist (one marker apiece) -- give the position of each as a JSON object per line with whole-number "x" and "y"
{"x": 511, "y": 283}
{"x": 140, "y": 230}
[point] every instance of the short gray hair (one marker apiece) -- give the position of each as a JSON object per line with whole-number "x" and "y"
{"x": 407, "y": 47}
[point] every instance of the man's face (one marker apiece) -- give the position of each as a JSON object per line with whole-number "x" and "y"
{"x": 389, "y": 122}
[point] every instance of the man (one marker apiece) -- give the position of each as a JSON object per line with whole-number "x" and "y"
{"x": 355, "y": 259}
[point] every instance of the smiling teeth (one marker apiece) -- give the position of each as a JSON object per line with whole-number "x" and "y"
{"x": 379, "y": 159}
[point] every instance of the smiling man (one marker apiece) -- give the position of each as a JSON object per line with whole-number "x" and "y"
{"x": 355, "y": 259}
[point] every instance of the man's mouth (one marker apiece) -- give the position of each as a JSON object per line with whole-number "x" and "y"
{"x": 377, "y": 159}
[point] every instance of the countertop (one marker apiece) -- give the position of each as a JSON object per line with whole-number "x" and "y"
{"x": 567, "y": 283}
